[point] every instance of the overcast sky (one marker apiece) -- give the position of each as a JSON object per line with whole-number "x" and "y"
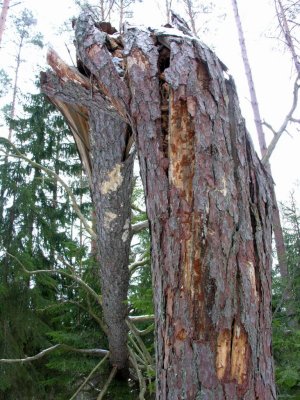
{"x": 271, "y": 65}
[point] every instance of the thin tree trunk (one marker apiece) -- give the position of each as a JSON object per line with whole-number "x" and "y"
{"x": 121, "y": 18}
{"x": 15, "y": 89}
{"x": 168, "y": 10}
{"x": 191, "y": 14}
{"x": 82, "y": 99}
{"x": 209, "y": 209}
{"x": 3, "y": 17}
{"x": 279, "y": 240}
{"x": 287, "y": 33}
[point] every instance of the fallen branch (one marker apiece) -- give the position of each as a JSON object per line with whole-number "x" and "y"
{"x": 98, "y": 352}
{"x": 106, "y": 386}
{"x": 89, "y": 377}
{"x": 139, "y": 226}
{"x": 141, "y": 379}
{"x": 140, "y": 263}
{"x": 141, "y": 344}
{"x": 48, "y": 171}
{"x": 141, "y": 318}
{"x": 32, "y": 358}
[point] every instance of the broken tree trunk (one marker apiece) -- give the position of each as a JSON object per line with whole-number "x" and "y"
{"x": 209, "y": 206}
{"x": 102, "y": 140}
{"x": 207, "y": 198}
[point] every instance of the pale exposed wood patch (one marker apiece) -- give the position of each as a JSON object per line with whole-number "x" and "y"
{"x": 64, "y": 71}
{"x": 114, "y": 180}
{"x": 137, "y": 58}
{"x": 223, "y": 352}
{"x": 108, "y": 218}
{"x": 126, "y": 230}
{"x": 239, "y": 356}
{"x": 251, "y": 274}
{"x": 232, "y": 354}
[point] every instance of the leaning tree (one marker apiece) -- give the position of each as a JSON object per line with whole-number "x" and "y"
{"x": 164, "y": 94}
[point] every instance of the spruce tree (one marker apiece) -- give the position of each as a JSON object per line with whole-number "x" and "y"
{"x": 38, "y": 224}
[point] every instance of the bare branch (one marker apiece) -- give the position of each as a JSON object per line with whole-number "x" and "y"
{"x": 140, "y": 263}
{"x": 51, "y": 173}
{"x": 146, "y": 355}
{"x": 141, "y": 379}
{"x": 141, "y": 318}
{"x": 288, "y": 118}
{"x": 89, "y": 377}
{"x": 269, "y": 126}
{"x": 106, "y": 386}
{"x": 60, "y": 272}
{"x": 139, "y": 226}
{"x": 32, "y": 358}
{"x": 99, "y": 352}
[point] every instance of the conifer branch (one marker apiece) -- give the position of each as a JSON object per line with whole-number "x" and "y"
{"x": 51, "y": 173}
{"x": 89, "y": 377}
{"x": 106, "y": 386}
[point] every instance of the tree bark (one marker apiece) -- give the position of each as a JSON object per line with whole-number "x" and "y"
{"x": 209, "y": 206}
{"x": 101, "y": 135}
{"x": 208, "y": 202}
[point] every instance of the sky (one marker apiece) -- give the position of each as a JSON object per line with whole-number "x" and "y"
{"x": 271, "y": 65}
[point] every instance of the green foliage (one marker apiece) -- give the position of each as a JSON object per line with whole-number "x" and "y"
{"x": 286, "y": 306}
{"x": 5, "y": 82}
{"x": 38, "y": 226}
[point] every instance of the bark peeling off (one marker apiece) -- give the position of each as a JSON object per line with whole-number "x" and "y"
{"x": 114, "y": 180}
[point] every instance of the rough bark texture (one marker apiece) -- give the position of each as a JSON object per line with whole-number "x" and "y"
{"x": 210, "y": 212}
{"x": 208, "y": 203}
{"x": 101, "y": 136}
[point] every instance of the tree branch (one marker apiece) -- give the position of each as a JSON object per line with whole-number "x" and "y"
{"x": 141, "y": 379}
{"x": 106, "y": 386}
{"x": 288, "y": 118}
{"x": 139, "y": 226}
{"x": 99, "y": 352}
{"x": 140, "y": 263}
{"x": 141, "y": 318}
{"x": 61, "y": 272}
{"x": 89, "y": 377}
